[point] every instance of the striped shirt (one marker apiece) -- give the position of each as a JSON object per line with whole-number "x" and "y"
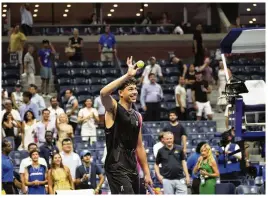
{"x": 68, "y": 108}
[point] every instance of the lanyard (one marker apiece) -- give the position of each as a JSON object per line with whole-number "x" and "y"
{"x": 89, "y": 169}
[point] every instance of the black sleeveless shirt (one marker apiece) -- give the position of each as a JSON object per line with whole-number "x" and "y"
{"x": 121, "y": 141}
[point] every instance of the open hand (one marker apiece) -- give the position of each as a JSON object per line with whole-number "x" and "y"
{"x": 132, "y": 69}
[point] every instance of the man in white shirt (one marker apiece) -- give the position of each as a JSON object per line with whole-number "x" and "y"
{"x": 159, "y": 144}
{"x": 180, "y": 99}
{"x": 29, "y": 65}
{"x": 69, "y": 158}
{"x": 54, "y": 109}
{"x": 152, "y": 68}
{"x": 27, "y": 162}
{"x": 37, "y": 99}
{"x": 101, "y": 109}
{"x": 26, "y": 19}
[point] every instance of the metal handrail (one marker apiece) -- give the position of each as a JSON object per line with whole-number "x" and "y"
{"x": 103, "y": 25}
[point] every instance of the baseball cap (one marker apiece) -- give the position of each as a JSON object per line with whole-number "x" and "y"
{"x": 84, "y": 153}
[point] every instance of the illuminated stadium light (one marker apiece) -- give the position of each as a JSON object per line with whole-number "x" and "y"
{"x": 145, "y": 5}
{"x": 254, "y": 19}
{"x": 115, "y": 5}
{"x": 4, "y": 15}
{"x": 36, "y": 6}
{"x": 254, "y": 4}
{"x": 138, "y": 14}
{"x": 36, "y": 10}
{"x": 141, "y": 10}
{"x": 4, "y": 10}
{"x": 109, "y": 14}
{"x": 250, "y": 22}
{"x": 69, "y": 5}
{"x": 66, "y": 10}
{"x": 5, "y": 5}
{"x": 65, "y": 15}
{"x": 248, "y": 9}
{"x": 112, "y": 10}
{"x": 34, "y": 15}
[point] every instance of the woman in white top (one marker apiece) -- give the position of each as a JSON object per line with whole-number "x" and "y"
{"x": 87, "y": 117}
{"x": 222, "y": 82}
{"x": 16, "y": 97}
{"x": 28, "y": 130}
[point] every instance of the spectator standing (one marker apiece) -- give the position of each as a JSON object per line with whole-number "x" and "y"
{"x": 35, "y": 175}
{"x": 86, "y": 174}
{"x": 198, "y": 46}
{"x": 48, "y": 149}
{"x": 206, "y": 71}
{"x": 101, "y": 109}
{"x": 159, "y": 144}
{"x": 180, "y": 99}
{"x": 55, "y": 109}
{"x": 174, "y": 173}
{"x": 37, "y": 99}
{"x": 76, "y": 43}
{"x": 4, "y": 97}
{"x": 16, "y": 44}
{"x": 180, "y": 136}
{"x": 151, "y": 96}
{"x": 28, "y": 105}
{"x": 88, "y": 117}
{"x": 191, "y": 162}
{"x": 59, "y": 176}
{"x": 28, "y": 130}
{"x": 107, "y": 45}
{"x": 94, "y": 19}
{"x": 7, "y": 168}
{"x": 16, "y": 97}
{"x": 27, "y": 162}
{"x": 179, "y": 64}
{"x": 71, "y": 108}
{"x": 69, "y": 158}
{"x": 152, "y": 68}
{"x": 44, "y": 59}
{"x": 207, "y": 166}
{"x": 148, "y": 19}
{"x": 26, "y": 19}
{"x": 29, "y": 65}
{"x": 45, "y": 125}
{"x": 200, "y": 90}
{"x": 165, "y": 18}
{"x": 190, "y": 80}
{"x": 64, "y": 129}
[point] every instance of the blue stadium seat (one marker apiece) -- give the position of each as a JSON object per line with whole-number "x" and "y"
{"x": 150, "y": 158}
{"x": 63, "y": 73}
{"x": 171, "y": 71}
{"x": 225, "y": 188}
{"x": 9, "y": 73}
{"x": 94, "y": 72}
{"x": 95, "y": 89}
{"x": 64, "y": 81}
{"x": 162, "y": 62}
{"x": 107, "y": 72}
{"x": 256, "y": 77}
{"x": 107, "y": 80}
{"x": 138, "y": 30}
{"x": 244, "y": 189}
{"x": 172, "y": 80}
{"x": 13, "y": 66}
{"x": 169, "y": 97}
{"x": 171, "y": 106}
{"x": 83, "y": 90}
{"x": 258, "y": 61}
{"x": 52, "y": 31}
{"x": 79, "y": 72}
{"x": 107, "y": 64}
{"x": 77, "y": 139}
{"x": 168, "y": 88}
{"x": 81, "y": 81}
{"x": 9, "y": 82}
{"x": 82, "y": 145}
{"x": 67, "y": 31}
{"x": 38, "y": 31}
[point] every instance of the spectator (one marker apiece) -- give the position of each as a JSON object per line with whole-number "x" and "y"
{"x": 9, "y": 124}
{"x": 165, "y": 19}
{"x": 101, "y": 109}
{"x": 27, "y": 162}
{"x": 222, "y": 82}
{"x": 151, "y": 96}
{"x": 28, "y": 130}
{"x": 54, "y": 109}
{"x": 206, "y": 71}
{"x": 180, "y": 136}
{"x": 71, "y": 108}
{"x": 178, "y": 29}
{"x": 200, "y": 90}
{"x": 107, "y": 45}
{"x": 47, "y": 150}
{"x": 191, "y": 162}
{"x": 7, "y": 168}
{"x": 4, "y": 96}
{"x": 174, "y": 169}
{"x": 76, "y": 43}
{"x": 64, "y": 129}
{"x": 94, "y": 19}
{"x": 86, "y": 174}
{"x": 69, "y": 158}
{"x": 59, "y": 176}
{"x": 28, "y": 105}
{"x": 229, "y": 166}
{"x": 29, "y": 65}
{"x": 17, "y": 97}
{"x": 45, "y": 125}
{"x": 88, "y": 117}
{"x": 179, "y": 64}
{"x": 148, "y": 19}
{"x": 152, "y": 68}
{"x": 190, "y": 80}
{"x": 198, "y": 46}
{"x": 159, "y": 144}
{"x": 16, "y": 44}
{"x": 226, "y": 115}
{"x": 207, "y": 166}
{"x": 35, "y": 175}
{"x": 180, "y": 99}
{"x": 37, "y": 99}
{"x": 26, "y": 19}
{"x": 44, "y": 59}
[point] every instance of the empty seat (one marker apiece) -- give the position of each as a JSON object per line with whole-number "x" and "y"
{"x": 9, "y": 73}
{"x": 79, "y": 72}
{"x": 94, "y": 72}
{"x": 169, "y": 97}
{"x": 172, "y": 80}
{"x": 225, "y": 188}
{"x": 13, "y": 66}
{"x": 171, "y": 106}
{"x": 171, "y": 71}
{"x": 9, "y": 82}
{"x": 245, "y": 189}
{"x": 52, "y": 31}
{"x": 95, "y": 89}
{"x": 64, "y": 81}
{"x": 108, "y": 64}
{"x": 94, "y": 81}
{"x": 110, "y": 72}
{"x": 81, "y": 81}
{"x": 83, "y": 90}
{"x": 168, "y": 88}
{"x": 63, "y": 73}
{"x": 107, "y": 80}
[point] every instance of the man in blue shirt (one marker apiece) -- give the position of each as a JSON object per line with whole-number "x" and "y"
{"x": 107, "y": 45}
{"x": 7, "y": 168}
{"x": 44, "y": 56}
{"x": 28, "y": 105}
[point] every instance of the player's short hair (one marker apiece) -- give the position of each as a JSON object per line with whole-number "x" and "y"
{"x": 131, "y": 81}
